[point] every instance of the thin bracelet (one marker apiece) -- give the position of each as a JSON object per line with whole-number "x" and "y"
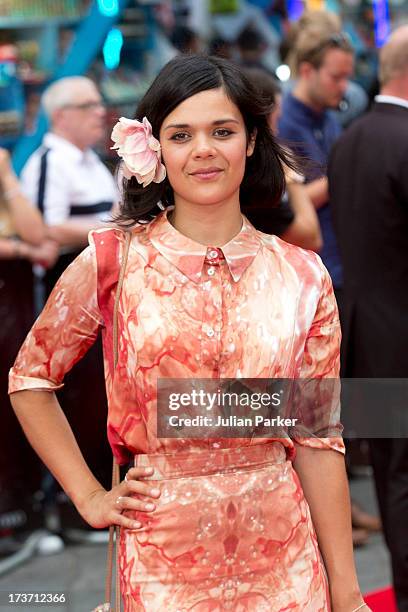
{"x": 359, "y": 607}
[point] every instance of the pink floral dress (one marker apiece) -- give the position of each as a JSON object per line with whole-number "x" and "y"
{"x": 232, "y": 529}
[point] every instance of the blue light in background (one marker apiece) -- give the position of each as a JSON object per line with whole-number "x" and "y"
{"x": 112, "y": 48}
{"x": 295, "y": 9}
{"x": 109, "y": 8}
{"x": 382, "y": 22}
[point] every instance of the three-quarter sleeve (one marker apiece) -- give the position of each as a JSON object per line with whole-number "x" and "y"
{"x": 64, "y": 331}
{"x": 319, "y": 384}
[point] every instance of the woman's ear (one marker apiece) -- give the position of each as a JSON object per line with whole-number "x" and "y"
{"x": 251, "y": 143}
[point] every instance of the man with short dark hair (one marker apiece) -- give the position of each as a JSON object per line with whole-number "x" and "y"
{"x": 323, "y": 62}
{"x": 368, "y": 182}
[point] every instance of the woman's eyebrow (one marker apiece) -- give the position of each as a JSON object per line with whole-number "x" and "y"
{"x": 186, "y": 125}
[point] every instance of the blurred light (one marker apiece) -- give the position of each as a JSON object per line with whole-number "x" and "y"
{"x": 283, "y": 72}
{"x": 112, "y": 48}
{"x": 315, "y": 5}
{"x": 382, "y": 22}
{"x": 295, "y": 9}
{"x": 109, "y": 8}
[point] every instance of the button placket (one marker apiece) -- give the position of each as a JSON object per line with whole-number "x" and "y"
{"x": 211, "y": 328}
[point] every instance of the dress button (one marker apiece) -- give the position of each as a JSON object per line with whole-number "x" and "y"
{"x": 210, "y": 332}
{"x": 212, "y": 254}
{"x": 211, "y": 271}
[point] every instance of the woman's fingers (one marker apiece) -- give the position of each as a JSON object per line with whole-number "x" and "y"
{"x": 135, "y": 487}
{"x": 133, "y": 484}
{"x": 134, "y": 494}
{"x": 132, "y": 503}
{"x": 139, "y": 472}
{"x": 127, "y": 523}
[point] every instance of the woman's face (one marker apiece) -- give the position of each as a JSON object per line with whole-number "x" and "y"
{"x": 204, "y": 148}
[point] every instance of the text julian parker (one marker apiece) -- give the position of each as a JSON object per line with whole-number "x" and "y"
{"x": 231, "y": 421}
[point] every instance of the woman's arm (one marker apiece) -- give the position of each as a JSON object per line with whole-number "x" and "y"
{"x": 45, "y": 254}
{"x": 319, "y": 461}
{"x": 11, "y": 249}
{"x": 304, "y": 231}
{"x": 67, "y": 327}
{"x": 323, "y": 478}
{"x": 48, "y": 431}
{"x": 26, "y": 218}
{"x": 318, "y": 191}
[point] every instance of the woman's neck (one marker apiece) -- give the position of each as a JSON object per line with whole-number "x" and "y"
{"x": 208, "y": 224}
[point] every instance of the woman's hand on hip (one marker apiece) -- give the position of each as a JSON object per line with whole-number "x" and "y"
{"x": 103, "y": 508}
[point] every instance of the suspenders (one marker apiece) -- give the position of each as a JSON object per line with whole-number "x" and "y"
{"x": 42, "y": 181}
{"x": 75, "y": 210}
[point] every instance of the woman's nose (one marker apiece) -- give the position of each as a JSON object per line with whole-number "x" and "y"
{"x": 203, "y": 147}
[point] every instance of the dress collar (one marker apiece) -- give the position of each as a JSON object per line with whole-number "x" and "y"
{"x": 188, "y": 256}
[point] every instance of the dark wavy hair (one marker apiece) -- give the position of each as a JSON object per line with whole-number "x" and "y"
{"x": 183, "y": 77}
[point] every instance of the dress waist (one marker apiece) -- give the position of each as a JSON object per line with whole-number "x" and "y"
{"x": 205, "y": 461}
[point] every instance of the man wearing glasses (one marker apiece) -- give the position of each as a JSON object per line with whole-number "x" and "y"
{"x": 76, "y": 193}
{"x": 64, "y": 177}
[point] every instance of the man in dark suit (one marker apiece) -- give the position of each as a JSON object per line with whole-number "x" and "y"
{"x": 368, "y": 182}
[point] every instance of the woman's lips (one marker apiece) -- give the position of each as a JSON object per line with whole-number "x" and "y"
{"x": 207, "y": 176}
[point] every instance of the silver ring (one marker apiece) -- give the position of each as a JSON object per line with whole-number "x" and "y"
{"x": 119, "y": 500}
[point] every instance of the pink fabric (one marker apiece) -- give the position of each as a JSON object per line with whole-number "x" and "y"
{"x": 232, "y": 531}
{"x": 269, "y": 304}
{"x": 255, "y": 308}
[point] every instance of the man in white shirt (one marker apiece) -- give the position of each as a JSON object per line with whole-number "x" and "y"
{"x": 76, "y": 193}
{"x": 64, "y": 177}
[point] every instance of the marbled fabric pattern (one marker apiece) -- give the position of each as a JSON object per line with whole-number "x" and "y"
{"x": 232, "y": 533}
{"x": 255, "y": 308}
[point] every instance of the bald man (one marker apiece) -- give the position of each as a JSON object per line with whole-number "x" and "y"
{"x": 368, "y": 182}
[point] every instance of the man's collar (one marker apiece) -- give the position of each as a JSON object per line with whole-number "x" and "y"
{"x": 188, "y": 256}
{"x": 383, "y": 99}
{"x": 54, "y": 141}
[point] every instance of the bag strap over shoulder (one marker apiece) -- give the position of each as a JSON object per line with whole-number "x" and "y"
{"x": 114, "y": 530}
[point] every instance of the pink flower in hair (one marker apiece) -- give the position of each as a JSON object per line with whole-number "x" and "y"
{"x": 139, "y": 149}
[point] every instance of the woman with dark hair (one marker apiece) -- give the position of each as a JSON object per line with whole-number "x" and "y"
{"x": 204, "y": 295}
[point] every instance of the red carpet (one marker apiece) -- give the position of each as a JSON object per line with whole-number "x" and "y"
{"x": 382, "y": 600}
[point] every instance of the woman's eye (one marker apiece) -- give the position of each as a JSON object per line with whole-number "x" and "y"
{"x": 176, "y": 136}
{"x": 224, "y": 131}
